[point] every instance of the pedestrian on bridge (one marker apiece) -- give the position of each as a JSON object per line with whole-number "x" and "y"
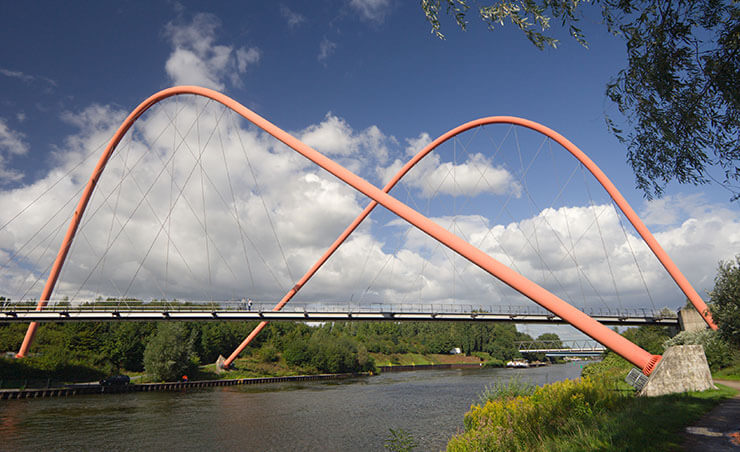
{"x": 249, "y": 304}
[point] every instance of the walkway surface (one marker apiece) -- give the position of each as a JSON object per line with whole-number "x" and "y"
{"x": 718, "y": 430}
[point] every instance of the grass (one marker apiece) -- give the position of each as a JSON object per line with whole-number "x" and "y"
{"x": 728, "y": 373}
{"x": 590, "y": 414}
{"x": 416, "y": 359}
{"x": 515, "y": 387}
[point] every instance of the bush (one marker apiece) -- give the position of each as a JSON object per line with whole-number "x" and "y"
{"x": 725, "y": 301}
{"x": 521, "y": 422}
{"x": 515, "y": 387}
{"x": 268, "y": 353}
{"x": 718, "y": 351}
{"x": 169, "y": 353}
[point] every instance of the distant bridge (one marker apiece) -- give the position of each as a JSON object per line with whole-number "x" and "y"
{"x": 314, "y": 312}
{"x": 562, "y": 348}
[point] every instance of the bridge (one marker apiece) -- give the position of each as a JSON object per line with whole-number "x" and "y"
{"x": 562, "y": 348}
{"x": 186, "y": 198}
{"x": 314, "y": 312}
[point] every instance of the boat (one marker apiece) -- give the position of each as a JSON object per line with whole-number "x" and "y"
{"x": 517, "y": 363}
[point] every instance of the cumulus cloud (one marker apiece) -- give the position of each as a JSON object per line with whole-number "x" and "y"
{"x": 196, "y": 205}
{"x": 293, "y": 18}
{"x": 371, "y": 10}
{"x": 474, "y": 176}
{"x": 208, "y": 211}
{"x": 334, "y": 137}
{"x": 197, "y": 59}
{"x": 11, "y": 143}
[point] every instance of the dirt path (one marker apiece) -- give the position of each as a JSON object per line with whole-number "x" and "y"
{"x": 718, "y": 430}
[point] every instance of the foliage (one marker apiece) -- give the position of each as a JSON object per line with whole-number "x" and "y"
{"x": 169, "y": 354}
{"x": 515, "y": 387}
{"x": 585, "y": 414}
{"x": 528, "y": 16}
{"x": 731, "y": 372}
{"x": 268, "y": 353}
{"x": 518, "y": 422}
{"x": 127, "y": 343}
{"x": 108, "y": 348}
{"x": 649, "y": 337}
{"x": 719, "y": 352}
{"x": 725, "y": 301}
{"x": 679, "y": 93}
{"x": 400, "y": 441}
{"x": 53, "y": 367}
{"x": 612, "y": 367}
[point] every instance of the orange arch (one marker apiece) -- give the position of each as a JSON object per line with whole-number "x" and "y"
{"x": 583, "y": 322}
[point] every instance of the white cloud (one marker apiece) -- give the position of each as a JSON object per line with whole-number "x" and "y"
{"x": 334, "y": 137}
{"x": 196, "y": 59}
{"x": 293, "y": 18}
{"x": 11, "y": 143}
{"x": 372, "y": 10}
{"x": 476, "y": 175}
{"x": 326, "y": 49}
{"x": 26, "y": 78}
{"x": 275, "y": 192}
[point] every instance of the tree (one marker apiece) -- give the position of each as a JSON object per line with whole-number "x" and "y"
{"x": 680, "y": 92}
{"x": 169, "y": 353}
{"x": 725, "y": 301}
{"x": 126, "y": 344}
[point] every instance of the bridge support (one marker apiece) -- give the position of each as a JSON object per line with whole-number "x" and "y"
{"x": 683, "y": 368}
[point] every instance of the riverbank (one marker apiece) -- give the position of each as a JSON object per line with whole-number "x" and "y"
{"x": 596, "y": 412}
{"x": 180, "y": 386}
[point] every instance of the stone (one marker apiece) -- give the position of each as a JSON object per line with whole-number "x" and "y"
{"x": 220, "y": 364}
{"x": 683, "y": 368}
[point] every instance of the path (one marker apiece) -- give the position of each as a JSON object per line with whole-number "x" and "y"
{"x": 718, "y": 430}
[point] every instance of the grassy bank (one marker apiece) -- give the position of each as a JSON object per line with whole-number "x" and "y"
{"x": 415, "y": 359}
{"x": 35, "y": 372}
{"x": 596, "y": 412}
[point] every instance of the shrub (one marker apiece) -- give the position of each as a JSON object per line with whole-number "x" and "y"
{"x": 169, "y": 353}
{"x": 515, "y": 387}
{"x": 718, "y": 351}
{"x": 268, "y": 353}
{"x": 521, "y": 422}
{"x": 725, "y": 301}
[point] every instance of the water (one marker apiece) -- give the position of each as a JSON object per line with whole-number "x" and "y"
{"x": 354, "y": 414}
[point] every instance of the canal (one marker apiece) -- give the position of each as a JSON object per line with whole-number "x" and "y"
{"x": 353, "y": 414}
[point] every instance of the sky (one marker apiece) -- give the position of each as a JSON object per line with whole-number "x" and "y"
{"x": 366, "y": 83}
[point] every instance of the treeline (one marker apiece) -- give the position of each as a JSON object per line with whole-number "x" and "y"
{"x": 85, "y": 350}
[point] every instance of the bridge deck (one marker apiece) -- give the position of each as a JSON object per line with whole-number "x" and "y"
{"x": 192, "y": 314}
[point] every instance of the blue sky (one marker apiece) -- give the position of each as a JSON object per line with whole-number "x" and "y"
{"x": 360, "y": 81}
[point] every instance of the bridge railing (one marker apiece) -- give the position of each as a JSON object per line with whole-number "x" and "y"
{"x": 343, "y": 307}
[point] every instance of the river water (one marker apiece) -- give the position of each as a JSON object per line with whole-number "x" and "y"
{"x": 353, "y": 414}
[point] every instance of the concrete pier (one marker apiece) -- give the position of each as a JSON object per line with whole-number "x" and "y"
{"x": 683, "y": 368}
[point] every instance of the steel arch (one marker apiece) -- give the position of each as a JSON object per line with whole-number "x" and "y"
{"x": 583, "y": 322}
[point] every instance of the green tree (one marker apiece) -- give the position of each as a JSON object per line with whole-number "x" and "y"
{"x": 650, "y": 337}
{"x": 169, "y": 353}
{"x": 126, "y": 344}
{"x": 680, "y": 92}
{"x": 725, "y": 301}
